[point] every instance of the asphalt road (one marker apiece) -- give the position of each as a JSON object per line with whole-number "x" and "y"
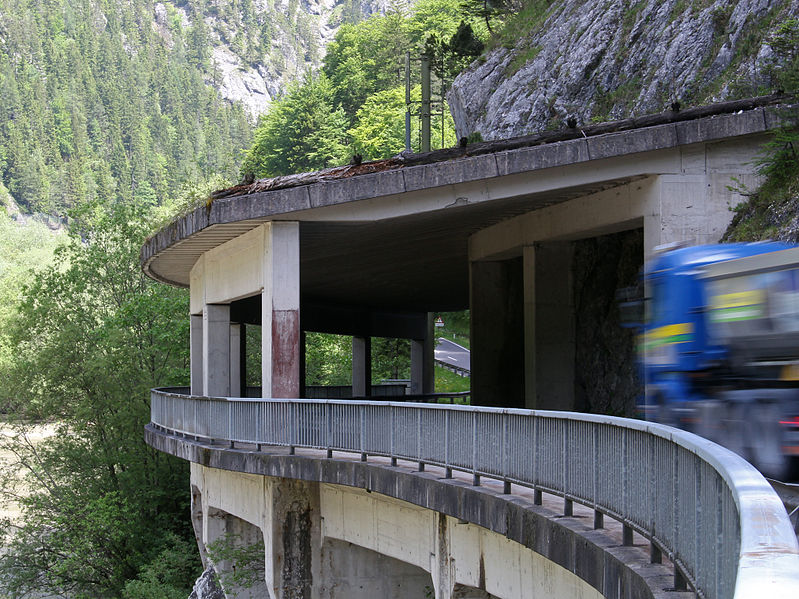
{"x": 453, "y": 354}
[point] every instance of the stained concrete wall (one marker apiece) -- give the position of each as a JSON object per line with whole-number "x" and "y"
{"x": 337, "y": 542}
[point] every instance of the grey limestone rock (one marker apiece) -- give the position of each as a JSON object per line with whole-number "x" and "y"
{"x": 206, "y": 586}
{"x": 613, "y": 59}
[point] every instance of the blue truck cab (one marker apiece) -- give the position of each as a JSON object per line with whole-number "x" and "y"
{"x": 719, "y": 347}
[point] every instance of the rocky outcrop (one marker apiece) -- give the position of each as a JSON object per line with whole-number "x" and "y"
{"x": 598, "y": 61}
{"x": 207, "y": 586}
{"x": 252, "y": 62}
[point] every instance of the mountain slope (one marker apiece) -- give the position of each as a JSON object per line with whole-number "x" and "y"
{"x": 607, "y": 60}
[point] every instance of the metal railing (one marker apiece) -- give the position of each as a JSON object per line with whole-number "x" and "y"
{"x": 708, "y": 510}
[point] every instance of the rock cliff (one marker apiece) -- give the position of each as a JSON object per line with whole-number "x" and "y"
{"x": 258, "y": 47}
{"x": 598, "y": 61}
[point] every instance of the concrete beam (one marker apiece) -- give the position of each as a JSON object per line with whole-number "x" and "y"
{"x": 480, "y": 522}
{"x": 360, "y": 321}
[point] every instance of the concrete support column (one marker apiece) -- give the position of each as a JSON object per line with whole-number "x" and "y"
{"x": 236, "y": 336}
{"x": 280, "y": 306}
{"x": 553, "y": 311}
{"x": 216, "y": 350}
{"x": 361, "y": 366}
{"x": 423, "y": 360}
{"x": 441, "y": 562}
{"x": 196, "y": 353}
{"x": 530, "y": 346}
{"x": 292, "y": 534}
{"x": 497, "y": 333}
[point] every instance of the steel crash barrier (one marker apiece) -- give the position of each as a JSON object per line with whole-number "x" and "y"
{"x": 709, "y": 511}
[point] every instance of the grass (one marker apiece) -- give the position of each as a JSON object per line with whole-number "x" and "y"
{"x": 449, "y": 382}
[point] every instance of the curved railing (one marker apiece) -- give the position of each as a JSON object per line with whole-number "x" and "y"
{"x": 704, "y": 507}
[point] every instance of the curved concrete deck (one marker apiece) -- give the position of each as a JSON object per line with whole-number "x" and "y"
{"x": 596, "y": 557}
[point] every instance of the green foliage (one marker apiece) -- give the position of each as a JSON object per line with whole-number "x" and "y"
{"x": 493, "y": 13}
{"x": 168, "y": 576}
{"x": 380, "y": 124}
{"x": 241, "y": 561}
{"x": 328, "y": 359}
{"x": 91, "y": 336}
{"x": 517, "y": 21}
{"x": 768, "y": 212}
{"x": 302, "y": 131}
{"x": 95, "y": 104}
{"x": 22, "y": 250}
{"x": 379, "y": 130}
{"x": 391, "y": 359}
{"x": 360, "y": 91}
{"x": 366, "y": 58}
{"x": 785, "y": 68}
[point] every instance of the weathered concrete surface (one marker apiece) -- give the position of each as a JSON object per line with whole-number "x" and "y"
{"x": 418, "y": 219}
{"x": 595, "y": 557}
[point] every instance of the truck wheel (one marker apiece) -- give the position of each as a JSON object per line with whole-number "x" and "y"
{"x": 767, "y": 441}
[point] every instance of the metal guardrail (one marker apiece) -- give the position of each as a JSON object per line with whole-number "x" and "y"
{"x": 708, "y": 510}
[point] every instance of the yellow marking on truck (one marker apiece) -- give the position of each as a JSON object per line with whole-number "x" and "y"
{"x": 751, "y": 297}
{"x": 669, "y": 334}
{"x": 740, "y": 305}
{"x": 790, "y": 372}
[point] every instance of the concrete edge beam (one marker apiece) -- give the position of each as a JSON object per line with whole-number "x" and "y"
{"x": 269, "y": 204}
{"x": 592, "y": 555}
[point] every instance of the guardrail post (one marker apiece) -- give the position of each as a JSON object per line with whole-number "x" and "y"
{"x": 447, "y": 469}
{"x": 680, "y": 583}
{"x": 475, "y": 476}
{"x": 329, "y": 432}
{"x": 259, "y": 418}
{"x": 292, "y": 425}
{"x": 362, "y": 411}
{"x": 655, "y": 554}
{"x": 568, "y": 507}
{"x": 599, "y": 520}
{"x": 538, "y": 497}
{"x": 505, "y": 483}
{"x": 393, "y": 457}
{"x": 230, "y": 424}
{"x": 626, "y": 535}
{"x": 419, "y": 438}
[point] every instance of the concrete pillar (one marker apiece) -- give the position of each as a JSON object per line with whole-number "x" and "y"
{"x": 292, "y": 532}
{"x": 361, "y": 366}
{"x": 423, "y": 360}
{"x": 303, "y": 364}
{"x": 216, "y": 350}
{"x": 280, "y": 311}
{"x": 196, "y": 353}
{"x": 441, "y": 562}
{"x": 497, "y": 333}
{"x": 554, "y": 328}
{"x": 236, "y": 334}
{"x": 530, "y": 363}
